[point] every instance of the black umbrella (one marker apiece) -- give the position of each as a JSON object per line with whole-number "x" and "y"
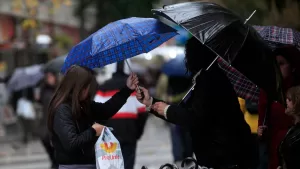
{"x": 55, "y": 65}
{"x": 229, "y": 37}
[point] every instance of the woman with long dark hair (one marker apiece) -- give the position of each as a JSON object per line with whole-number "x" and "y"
{"x": 73, "y": 116}
{"x": 220, "y": 135}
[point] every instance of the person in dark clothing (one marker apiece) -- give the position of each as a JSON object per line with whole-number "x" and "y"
{"x": 131, "y": 117}
{"x": 289, "y": 149}
{"x": 220, "y": 135}
{"x": 47, "y": 90}
{"x": 27, "y": 123}
{"x": 72, "y": 117}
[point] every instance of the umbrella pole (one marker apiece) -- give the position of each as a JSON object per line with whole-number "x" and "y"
{"x": 191, "y": 88}
{"x": 139, "y": 89}
{"x": 212, "y": 62}
{"x": 250, "y": 17}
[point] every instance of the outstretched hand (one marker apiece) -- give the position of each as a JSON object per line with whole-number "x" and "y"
{"x": 132, "y": 81}
{"x": 146, "y": 100}
{"x": 159, "y": 107}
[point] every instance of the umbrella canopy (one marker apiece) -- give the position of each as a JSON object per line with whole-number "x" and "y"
{"x": 175, "y": 67}
{"x": 276, "y": 36}
{"x": 55, "y": 65}
{"x": 228, "y": 37}
{"x": 118, "y": 41}
{"x": 25, "y": 77}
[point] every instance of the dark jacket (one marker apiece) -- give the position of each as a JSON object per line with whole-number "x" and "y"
{"x": 46, "y": 95}
{"x": 74, "y": 141}
{"x": 289, "y": 149}
{"x": 132, "y": 117}
{"x": 219, "y": 132}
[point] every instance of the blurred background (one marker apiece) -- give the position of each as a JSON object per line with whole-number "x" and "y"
{"x": 33, "y": 32}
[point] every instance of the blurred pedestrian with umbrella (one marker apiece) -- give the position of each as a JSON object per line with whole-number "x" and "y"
{"x": 25, "y": 77}
{"x": 46, "y": 92}
{"x": 21, "y": 85}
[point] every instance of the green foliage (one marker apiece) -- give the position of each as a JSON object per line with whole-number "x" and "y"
{"x": 63, "y": 41}
{"x": 279, "y": 4}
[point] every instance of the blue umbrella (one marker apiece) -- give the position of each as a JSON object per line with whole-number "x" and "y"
{"x": 175, "y": 67}
{"x": 118, "y": 41}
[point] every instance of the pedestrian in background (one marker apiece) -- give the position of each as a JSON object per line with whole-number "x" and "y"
{"x": 289, "y": 149}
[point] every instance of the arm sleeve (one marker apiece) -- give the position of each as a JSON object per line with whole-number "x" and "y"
{"x": 185, "y": 116}
{"x": 262, "y": 106}
{"x": 104, "y": 111}
{"x": 65, "y": 128}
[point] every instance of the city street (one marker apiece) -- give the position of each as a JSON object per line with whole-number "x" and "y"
{"x": 154, "y": 149}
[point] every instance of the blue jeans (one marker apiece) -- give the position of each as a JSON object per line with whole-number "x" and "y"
{"x": 181, "y": 143}
{"x": 129, "y": 153}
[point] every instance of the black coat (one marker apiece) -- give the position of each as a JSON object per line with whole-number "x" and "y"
{"x": 46, "y": 95}
{"x": 220, "y": 135}
{"x": 74, "y": 141}
{"x": 290, "y": 149}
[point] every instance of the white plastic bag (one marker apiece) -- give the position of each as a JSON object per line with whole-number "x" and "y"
{"x": 25, "y": 109}
{"x": 108, "y": 151}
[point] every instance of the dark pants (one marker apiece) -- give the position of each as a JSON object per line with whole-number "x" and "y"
{"x": 263, "y": 156}
{"x": 50, "y": 150}
{"x": 27, "y": 129}
{"x": 181, "y": 143}
{"x": 128, "y": 152}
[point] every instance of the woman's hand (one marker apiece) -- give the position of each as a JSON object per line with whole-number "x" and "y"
{"x": 98, "y": 128}
{"x": 132, "y": 81}
{"x": 147, "y": 99}
{"x": 279, "y": 167}
{"x": 159, "y": 107}
{"x": 261, "y": 130}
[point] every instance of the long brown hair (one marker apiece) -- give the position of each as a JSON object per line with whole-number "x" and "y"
{"x": 70, "y": 90}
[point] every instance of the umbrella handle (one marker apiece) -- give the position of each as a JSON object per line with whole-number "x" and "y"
{"x": 142, "y": 93}
{"x": 139, "y": 89}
